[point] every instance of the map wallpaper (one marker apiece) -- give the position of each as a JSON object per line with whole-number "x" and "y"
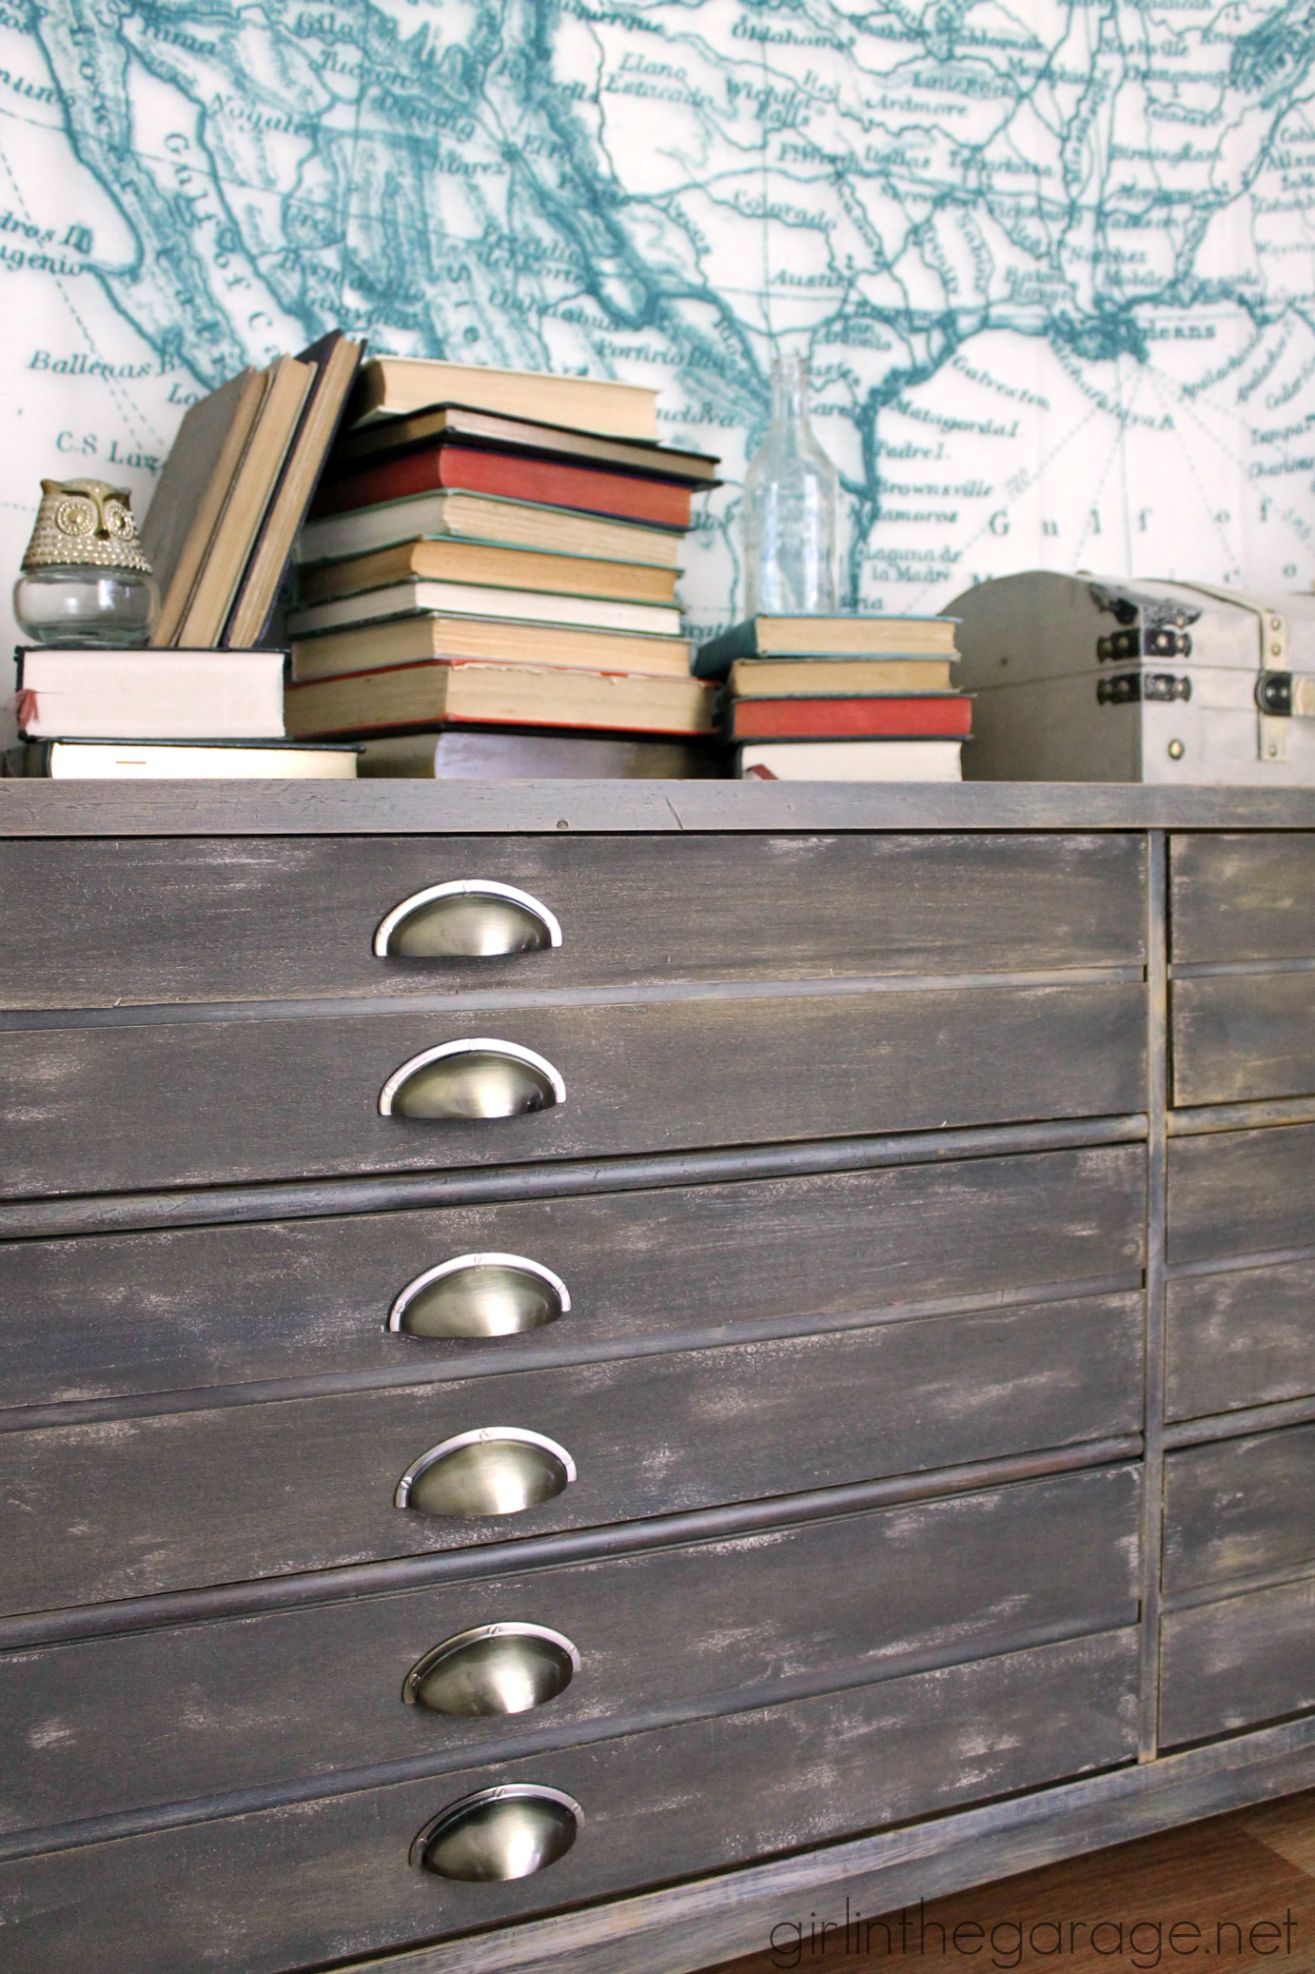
{"x": 1053, "y": 264}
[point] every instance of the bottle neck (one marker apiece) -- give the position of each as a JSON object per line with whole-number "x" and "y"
{"x": 790, "y": 393}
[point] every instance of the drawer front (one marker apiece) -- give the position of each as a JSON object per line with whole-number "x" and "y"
{"x": 264, "y": 1099}
{"x": 195, "y": 1710}
{"x": 1241, "y": 1192}
{"x": 1245, "y": 897}
{"x": 1238, "y": 1662}
{"x": 287, "y": 918}
{"x": 1238, "y": 1037}
{"x": 328, "y": 1879}
{"x": 1242, "y": 1338}
{"x": 128, "y": 1506}
{"x": 98, "y": 1317}
{"x": 1240, "y": 1508}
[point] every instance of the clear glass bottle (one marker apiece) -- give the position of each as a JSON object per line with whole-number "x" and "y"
{"x": 791, "y": 495}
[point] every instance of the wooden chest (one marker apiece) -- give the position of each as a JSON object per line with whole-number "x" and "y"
{"x": 584, "y": 1368}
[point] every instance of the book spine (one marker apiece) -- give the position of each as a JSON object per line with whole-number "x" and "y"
{"x": 924, "y": 717}
{"x": 626, "y": 496}
{"x": 714, "y": 659}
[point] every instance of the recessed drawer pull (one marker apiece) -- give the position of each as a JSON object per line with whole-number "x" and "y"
{"x": 495, "y": 1470}
{"x": 484, "y": 1078}
{"x": 472, "y": 919}
{"x": 480, "y": 1295}
{"x": 508, "y": 1832}
{"x": 493, "y": 1669}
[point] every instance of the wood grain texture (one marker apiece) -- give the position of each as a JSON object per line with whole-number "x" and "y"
{"x": 688, "y": 1926}
{"x": 294, "y": 917}
{"x": 1245, "y": 1659}
{"x": 1242, "y": 1338}
{"x": 195, "y": 1710}
{"x": 137, "y": 1505}
{"x": 312, "y": 1882}
{"x": 1241, "y": 1192}
{"x": 497, "y": 808}
{"x": 1235, "y": 897}
{"x": 1240, "y": 1508}
{"x": 195, "y": 1307}
{"x": 1239, "y": 1037}
{"x": 265, "y": 1099}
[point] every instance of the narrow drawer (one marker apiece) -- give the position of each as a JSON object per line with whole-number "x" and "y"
{"x": 195, "y": 1710}
{"x": 155, "y": 1312}
{"x": 323, "y": 1880}
{"x": 1238, "y": 1662}
{"x": 1242, "y": 1338}
{"x": 1241, "y": 1192}
{"x": 131, "y": 1506}
{"x": 109, "y": 923}
{"x": 1240, "y": 1037}
{"x": 1240, "y": 1508}
{"x": 269, "y": 1098}
{"x": 1242, "y": 897}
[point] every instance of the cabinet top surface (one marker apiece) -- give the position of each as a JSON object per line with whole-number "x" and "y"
{"x": 383, "y": 808}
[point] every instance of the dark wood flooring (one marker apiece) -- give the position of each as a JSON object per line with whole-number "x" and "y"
{"x": 1235, "y": 1893}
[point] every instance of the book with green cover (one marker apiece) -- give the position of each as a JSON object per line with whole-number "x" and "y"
{"x": 851, "y": 634}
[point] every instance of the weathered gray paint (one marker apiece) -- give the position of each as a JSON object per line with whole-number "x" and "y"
{"x": 198, "y": 1307}
{"x": 134, "y": 1505}
{"x": 196, "y": 1710}
{"x": 290, "y": 918}
{"x": 315, "y": 1881}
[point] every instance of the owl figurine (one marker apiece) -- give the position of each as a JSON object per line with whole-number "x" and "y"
{"x": 84, "y": 577}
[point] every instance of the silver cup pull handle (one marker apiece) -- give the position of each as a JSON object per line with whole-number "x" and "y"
{"x": 473, "y": 918}
{"x": 484, "y": 1078}
{"x": 506, "y": 1832}
{"x": 480, "y": 1295}
{"x": 491, "y": 1470}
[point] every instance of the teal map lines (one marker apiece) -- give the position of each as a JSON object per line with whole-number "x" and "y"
{"x": 1053, "y": 261}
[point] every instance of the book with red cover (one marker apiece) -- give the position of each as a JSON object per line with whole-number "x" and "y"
{"x": 512, "y": 476}
{"x": 922, "y": 716}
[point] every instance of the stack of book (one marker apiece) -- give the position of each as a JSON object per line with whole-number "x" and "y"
{"x": 841, "y": 698}
{"x": 491, "y": 560}
{"x": 129, "y": 715}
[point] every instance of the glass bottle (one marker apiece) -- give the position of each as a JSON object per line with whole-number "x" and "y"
{"x": 790, "y": 499}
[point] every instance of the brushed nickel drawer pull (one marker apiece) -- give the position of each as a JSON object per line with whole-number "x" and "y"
{"x": 493, "y": 1669}
{"x": 482, "y": 1078}
{"x": 472, "y": 919}
{"x": 508, "y": 1832}
{"x": 494, "y": 1470}
{"x": 480, "y": 1295}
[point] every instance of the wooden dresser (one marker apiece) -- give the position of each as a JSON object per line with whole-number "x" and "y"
{"x": 590, "y": 1369}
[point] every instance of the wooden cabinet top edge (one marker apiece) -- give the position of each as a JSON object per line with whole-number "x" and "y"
{"x": 244, "y": 808}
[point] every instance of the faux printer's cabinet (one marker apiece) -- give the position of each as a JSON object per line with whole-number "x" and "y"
{"x": 585, "y": 1368}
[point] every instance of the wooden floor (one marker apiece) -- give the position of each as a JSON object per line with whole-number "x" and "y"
{"x": 1237, "y": 1892}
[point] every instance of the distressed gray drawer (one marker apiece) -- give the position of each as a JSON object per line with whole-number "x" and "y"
{"x": 322, "y": 1880}
{"x": 1242, "y": 897}
{"x": 104, "y": 1316}
{"x": 1241, "y": 1192}
{"x": 139, "y": 920}
{"x": 1239, "y": 1037}
{"x": 164, "y": 1716}
{"x": 241, "y": 1099}
{"x": 142, "y": 1504}
{"x": 1245, "y": 1337}
{"x": 1240, "y": 1508}
{"x": 1238, "y": 1662}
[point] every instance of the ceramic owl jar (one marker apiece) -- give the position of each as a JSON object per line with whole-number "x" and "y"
{"x": 84, "y": 577}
